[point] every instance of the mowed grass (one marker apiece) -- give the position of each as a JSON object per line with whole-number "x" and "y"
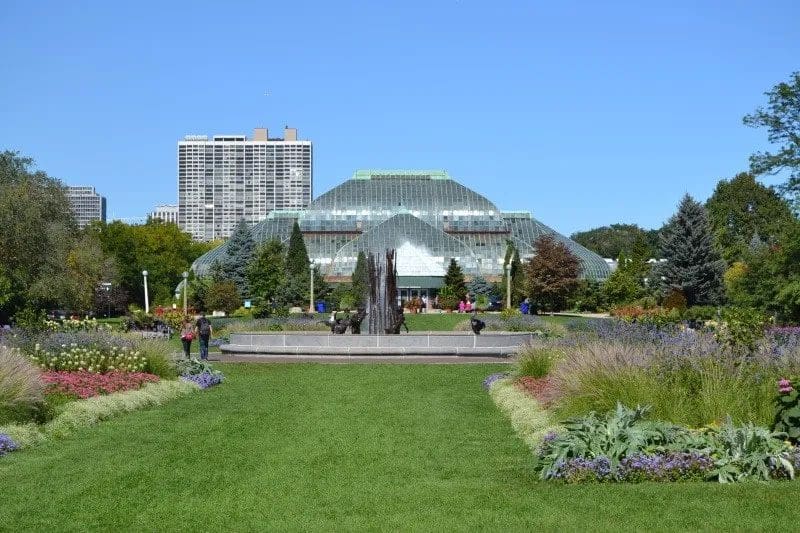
{"x": 448, "y": 321}
{"x": 341, "y": 447}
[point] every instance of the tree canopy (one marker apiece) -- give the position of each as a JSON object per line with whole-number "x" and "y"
{"x": 454, "y": 278}
{"x": 611, "y": 241}
{"x": 742, "y": 209}
{"x": 781, "y": 118}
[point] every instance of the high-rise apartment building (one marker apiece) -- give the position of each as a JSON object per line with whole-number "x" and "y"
{"x": 86, "y": 204}
{"x": 165, "y": 213}
{"x": 231, "y": 177}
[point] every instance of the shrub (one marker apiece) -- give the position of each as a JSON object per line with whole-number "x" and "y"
{"x": 536, "y": 361}
{"x": 7, "y": 445}
{"x": 21, "y": 391}
{"x": 675, "y": 299}
{"x": 742, "y": 328}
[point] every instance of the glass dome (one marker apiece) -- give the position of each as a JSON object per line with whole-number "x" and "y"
{"x": 426, "y": 216}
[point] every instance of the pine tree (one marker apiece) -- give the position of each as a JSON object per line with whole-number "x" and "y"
{"x": 297, "y": 255}
{"x": 454, "y": 278}
{"x": 360, "y": 281}
{"x": 552, "y": 274}
{"x": 240, "y": 252}
{"x": 479, "y": 285}
{"x": 692, "y": 265}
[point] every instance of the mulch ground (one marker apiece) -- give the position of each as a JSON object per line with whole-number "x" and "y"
{"x": 543, "y": 389}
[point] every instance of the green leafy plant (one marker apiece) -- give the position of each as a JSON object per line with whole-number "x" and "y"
{"x": 741, "y": 327}
{"x": 752, "y": 452}
{"x": 787, "y": 410}
{"x": 193, "y": 367}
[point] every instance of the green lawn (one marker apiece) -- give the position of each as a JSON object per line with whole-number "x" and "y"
{"x": 311, "y": 447}
{"x": 447, "y": 321}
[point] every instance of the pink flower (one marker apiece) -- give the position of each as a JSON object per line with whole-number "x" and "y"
{"x": 784, "y": 386}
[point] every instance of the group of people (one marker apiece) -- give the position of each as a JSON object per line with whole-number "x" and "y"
{"x": 465, "y": 305}
{"x": 201, "y": 330}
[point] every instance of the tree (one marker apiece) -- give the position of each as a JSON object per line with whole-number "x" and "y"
{"x": 478, "y": 285}
{"x": 611, "y": 241}
{"x": 781, "y": 117}
{"x": 623, "y": 285}
{"x": 37, "y": 231}
{"x": 267, "y": 272}
{"x": 297, "y": 256}
{"x": 160, "y": 248}
{"x": 454, "y": 278}
{"x": 240, "y": 252}
{"x": 223, "y": 296}
{"x": 552, "y": 275}
{"x": 693, "y": 266}
{"x": 742, "y": 209}
{"x": 360, "y": 281}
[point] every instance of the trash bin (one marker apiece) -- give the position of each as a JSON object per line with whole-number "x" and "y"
{"x": 320, "y": 306}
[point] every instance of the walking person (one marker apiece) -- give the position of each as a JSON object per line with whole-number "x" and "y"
{"x": 187, "y": 335}
{"x": 204, "y": 332}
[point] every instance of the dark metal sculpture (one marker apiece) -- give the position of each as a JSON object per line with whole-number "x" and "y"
{"x": 381, "y": 309}
{"x": 476, "y": 324}
{"x": 356, "y": 320}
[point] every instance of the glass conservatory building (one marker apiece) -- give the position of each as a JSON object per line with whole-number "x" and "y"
{"x": 425, "y": 215}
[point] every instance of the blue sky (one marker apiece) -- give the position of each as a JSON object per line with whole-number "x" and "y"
{"x": 585, "y": 113}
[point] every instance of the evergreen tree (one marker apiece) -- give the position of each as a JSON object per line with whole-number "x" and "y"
{"x": 360, "y": 280}
{"x": 297, "y": 256}
{"x": 454, "y": 278}
{"x": 692, "y": 265}
{"x": 267, "y": 272}
{"x": 240, "y": 252}
{"x": 552, "y": 274}
{"x": 479, "y": 285}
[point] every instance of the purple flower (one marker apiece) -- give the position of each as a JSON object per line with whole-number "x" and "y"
{"x": 6, "y": 444}
{"x": 784, "y": 386}
{"x": 205, "y": 379}
{"x": 487, "y": 383}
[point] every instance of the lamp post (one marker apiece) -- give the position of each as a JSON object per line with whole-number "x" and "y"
{"x": 107, "y": 286}
{"x": 146, "y": 300}
{"x": 311, "y": 297}
{"x": 508, "y": 285}
{"x": 185, "y": 289}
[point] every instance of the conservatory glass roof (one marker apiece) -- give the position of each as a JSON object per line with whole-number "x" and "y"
{"x": 425, "y": 215}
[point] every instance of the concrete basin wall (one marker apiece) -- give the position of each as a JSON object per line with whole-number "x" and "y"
{"x": 417, "y": 343}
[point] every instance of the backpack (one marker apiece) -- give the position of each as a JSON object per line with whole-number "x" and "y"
{"x": 204, "y": 327}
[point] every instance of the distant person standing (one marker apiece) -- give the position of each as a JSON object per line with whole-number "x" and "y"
{"x": 187, "y": 335}
{"x": 204, "y": 332}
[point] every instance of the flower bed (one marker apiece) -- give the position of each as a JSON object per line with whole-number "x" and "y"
{"x": 84, "y": 384}
{"x": 205, "y": 379}
{"x": 90, "y": 359}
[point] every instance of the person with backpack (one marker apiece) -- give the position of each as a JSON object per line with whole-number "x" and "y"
{"x": 204, "y": 332}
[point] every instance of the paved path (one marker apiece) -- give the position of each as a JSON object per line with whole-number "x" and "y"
{"x": 356, "y": 359}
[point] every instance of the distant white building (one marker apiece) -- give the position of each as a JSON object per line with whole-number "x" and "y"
{"x": 87, "y": 205}
{"x": 230, "y": 177}
{"x": 165, "y": 213}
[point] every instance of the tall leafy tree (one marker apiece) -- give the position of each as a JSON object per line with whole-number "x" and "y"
{"x": 360, "y": 281}
{"x": 781, "y": 118}
{"x": 240, "y": 252}
{"x": 267, "y": 272}
{"x": 552, "y": 274}
{"x": 693, "y": 265}
{"x": 37, "y": 232}
{"x": 611, "y": 241}
{"x": 454, "y": 278}
{"x": 742, "y": 209}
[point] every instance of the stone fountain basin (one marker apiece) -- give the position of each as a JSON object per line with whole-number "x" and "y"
{"x": 438, "y": 343}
